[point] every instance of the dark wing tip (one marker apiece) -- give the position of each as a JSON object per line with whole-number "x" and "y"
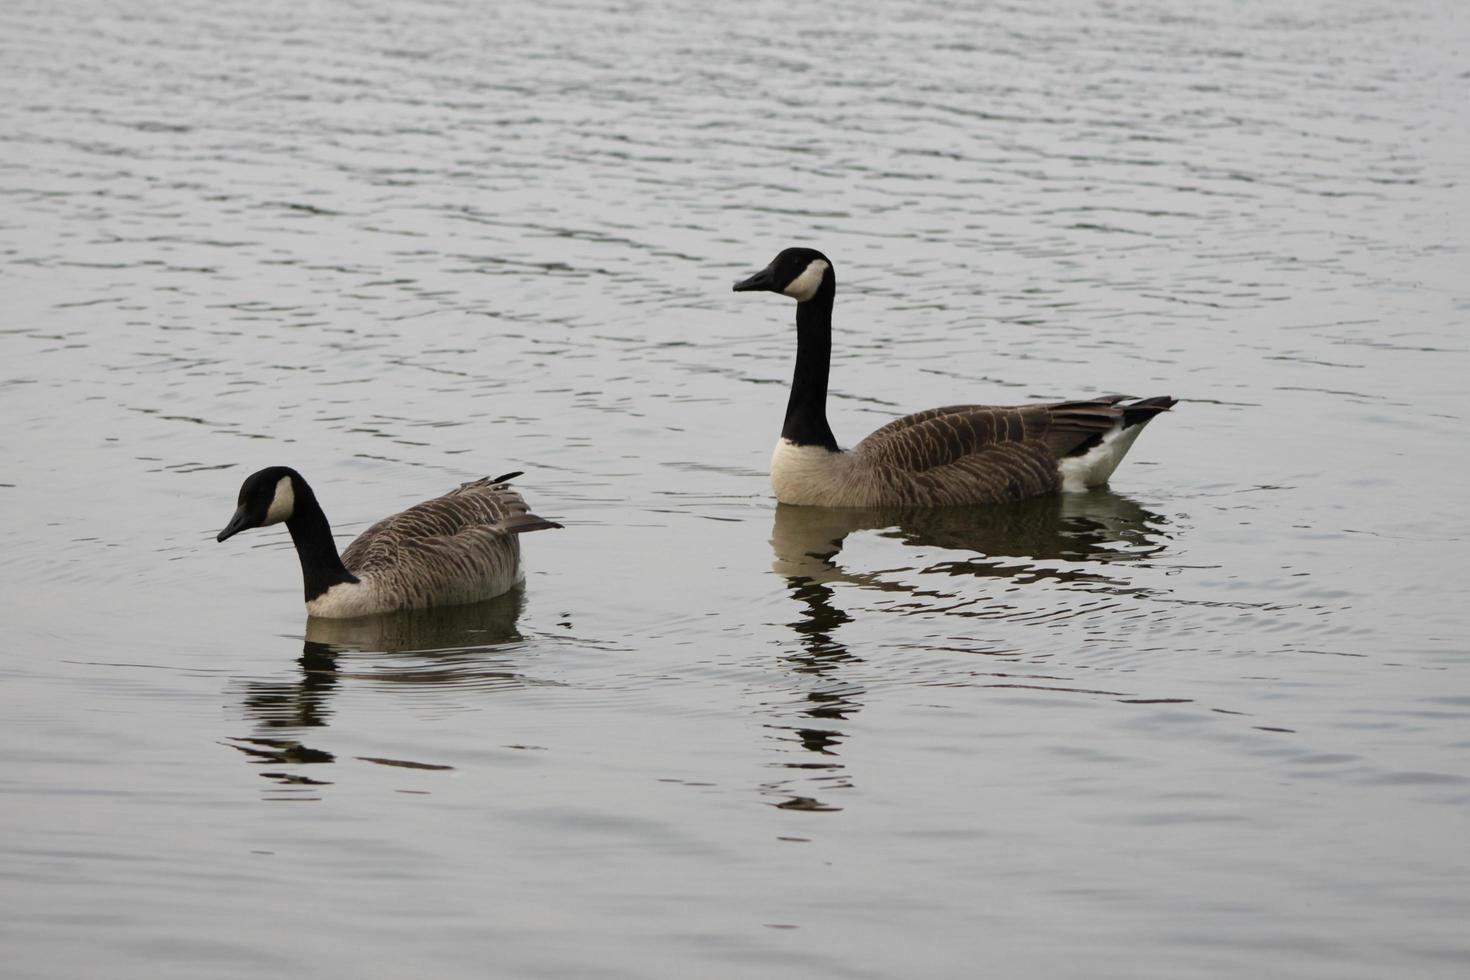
{"x": 507, "y": 477}
{"x": 1145, "y": 409}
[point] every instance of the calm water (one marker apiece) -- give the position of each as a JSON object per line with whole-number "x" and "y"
{"x": 1215, "y": 721}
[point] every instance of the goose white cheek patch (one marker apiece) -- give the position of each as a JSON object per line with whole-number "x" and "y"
{"x": 805, "y": 286}
{"x": 283, "y": 504}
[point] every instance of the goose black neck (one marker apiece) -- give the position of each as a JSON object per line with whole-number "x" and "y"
{"x": 321, "y": 566}
{"x": 806, "y": 411}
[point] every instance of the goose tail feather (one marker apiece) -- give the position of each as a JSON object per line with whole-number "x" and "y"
{"x": 523, "y": 523}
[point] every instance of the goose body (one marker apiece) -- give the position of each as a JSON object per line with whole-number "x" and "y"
{"x": 960, "y": 454}
{"x": 459, "y": 548}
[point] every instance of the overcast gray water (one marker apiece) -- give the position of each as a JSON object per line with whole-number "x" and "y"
{"x": 1214, "y": 721}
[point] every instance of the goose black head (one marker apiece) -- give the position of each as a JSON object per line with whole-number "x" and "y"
{"x": 267, "y": 497}
{"x": 796, "y": 272}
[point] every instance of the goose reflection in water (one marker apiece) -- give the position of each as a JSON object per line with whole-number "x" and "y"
{"x": 1067, "y": 539}
{"x": 444, "y": 651}
{"x": 1004, "y": 541}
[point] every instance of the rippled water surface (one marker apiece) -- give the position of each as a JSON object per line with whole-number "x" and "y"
{"x": 1212, "y": 721}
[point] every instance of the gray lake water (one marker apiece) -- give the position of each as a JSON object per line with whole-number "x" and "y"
{"x": 1213, "y": 721}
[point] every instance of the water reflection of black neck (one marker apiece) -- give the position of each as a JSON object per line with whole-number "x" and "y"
{"x": 318, "y": 664}
{"x": 321, "y": 566}
{"x": 821, "y": 655}
{"x": 820, "y": 651}
{"x": 301, "y": 703}
{"x": 806, "y": 410}
{"x": 279, "y": 710}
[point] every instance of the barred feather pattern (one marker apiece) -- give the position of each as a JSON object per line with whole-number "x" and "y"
{"x": 458, "y": 548}
{"x": 959, "y": 454}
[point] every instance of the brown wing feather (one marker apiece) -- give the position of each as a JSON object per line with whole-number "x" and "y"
{"x": 448, "y": 569}
{"x": 992, "y": 474}
{"x": 985, "y": 453}
{"x": 425, "y": 532}
{"x": 941, "y": 436}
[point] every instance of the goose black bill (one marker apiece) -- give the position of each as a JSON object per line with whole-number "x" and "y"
{"x": 238, "y": 523}
{"x": 762, "y": 280}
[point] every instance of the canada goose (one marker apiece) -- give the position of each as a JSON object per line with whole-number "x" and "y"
{"x": 451, "y": 550}
{"x": 960, "y": 454}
